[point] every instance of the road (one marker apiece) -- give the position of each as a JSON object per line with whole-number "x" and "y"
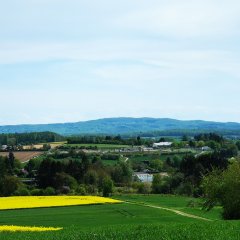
{"x": 171, "y": 210}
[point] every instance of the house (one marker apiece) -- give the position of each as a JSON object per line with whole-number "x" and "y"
{"x": 4, "y": 147}
{"x": 206, "y": 148}
{"x": 162, "y": 144}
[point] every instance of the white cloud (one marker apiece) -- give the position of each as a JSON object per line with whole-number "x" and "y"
{"x": 125, "y": 51}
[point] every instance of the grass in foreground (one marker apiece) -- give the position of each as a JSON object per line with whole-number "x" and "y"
{"x": 120, "y": 221}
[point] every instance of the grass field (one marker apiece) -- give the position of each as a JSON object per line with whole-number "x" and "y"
{"x": 123, "y": 221}
{"x": 23, "y": 156}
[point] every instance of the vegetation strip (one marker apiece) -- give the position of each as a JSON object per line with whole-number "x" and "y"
{"x": 170, "y": 210}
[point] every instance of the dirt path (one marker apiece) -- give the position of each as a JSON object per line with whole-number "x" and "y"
{"x": 171, "y": 210}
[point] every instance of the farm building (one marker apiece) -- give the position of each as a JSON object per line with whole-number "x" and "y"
{"x": 162, "y": 144}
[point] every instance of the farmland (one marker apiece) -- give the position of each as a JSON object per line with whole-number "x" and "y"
{"x": 40, "y": 145}
{"x": 8, "y": 203}
{"x": 23, "y": 156}
{"x": 93, "y": 169}
{"x": 98, "y": 146}
{"x": 122, "y": 221}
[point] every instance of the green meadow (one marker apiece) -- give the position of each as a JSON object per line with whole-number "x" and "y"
{"x": 136, "y": 218}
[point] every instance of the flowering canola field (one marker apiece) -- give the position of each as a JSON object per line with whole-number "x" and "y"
{"x": 6, "y": 228}
{"x": 51, "y": 201}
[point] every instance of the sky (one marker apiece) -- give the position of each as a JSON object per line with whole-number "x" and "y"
{"x": 76, "y": 60}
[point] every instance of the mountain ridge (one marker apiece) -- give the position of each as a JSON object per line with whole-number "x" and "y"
{"x": 122, "y": 125}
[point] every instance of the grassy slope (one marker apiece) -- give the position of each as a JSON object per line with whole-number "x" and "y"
{"x": 120, "y": 221}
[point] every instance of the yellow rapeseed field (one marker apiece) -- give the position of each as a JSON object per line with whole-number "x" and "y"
{"x": 51, "y": 201}
{"x": 6, "y": 228}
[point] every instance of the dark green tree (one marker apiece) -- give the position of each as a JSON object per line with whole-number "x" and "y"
{"x": 224, "y": 187}
{"x": 156, "y": 184}
{"x": 107, "y": 186}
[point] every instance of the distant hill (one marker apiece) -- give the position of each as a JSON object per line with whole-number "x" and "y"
{"x": 125, "y": 126}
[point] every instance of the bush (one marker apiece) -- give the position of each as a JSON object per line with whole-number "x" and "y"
{"x": 65, "y": 190}
{"x": 63, "y": 180}
{"x": 185, "y": 189}
{"x": 22, "y": 192}
{"x": 128, "y": 190}
{"x": 49, "y": 191}
{"x": 37, "y": 192}
{"x": 144, "y": 188}
{"x": 91, "y": 189}
{"x": 81, "y": 190}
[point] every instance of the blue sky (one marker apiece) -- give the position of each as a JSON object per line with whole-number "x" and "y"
{"x": 76, "y": 60}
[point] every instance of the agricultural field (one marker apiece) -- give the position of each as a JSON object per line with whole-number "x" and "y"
{"x": 139, "y": 217}
{"x": 99, "y": 146}
{"x": 25, "y": 202}
{"x": 35, "y": 146}
{"x": 23, "y": 156}
{"x": 40, "y": 145}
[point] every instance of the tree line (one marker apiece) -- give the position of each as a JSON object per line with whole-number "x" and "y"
{"x": 15, "y": 139}
{"x": 118, "y": 140}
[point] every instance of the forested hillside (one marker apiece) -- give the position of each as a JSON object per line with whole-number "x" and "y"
{"x": 140, "y": 126}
